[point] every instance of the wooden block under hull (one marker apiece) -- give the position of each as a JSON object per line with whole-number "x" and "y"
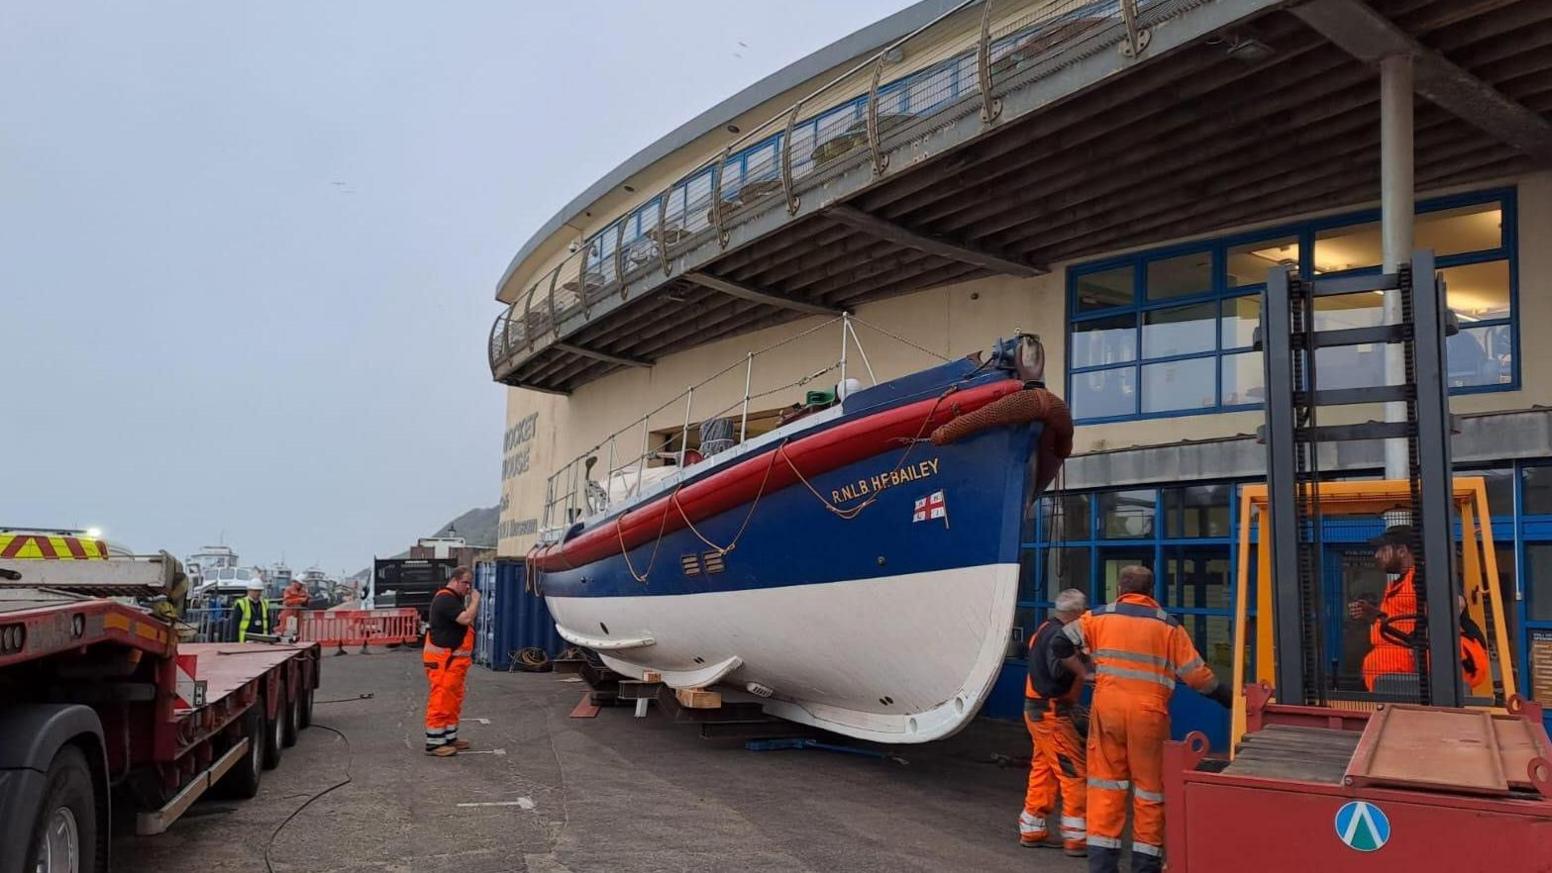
{"x": 698, "y": 698}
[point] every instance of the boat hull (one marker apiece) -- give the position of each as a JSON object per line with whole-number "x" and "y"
{"x": 874, "y": 617}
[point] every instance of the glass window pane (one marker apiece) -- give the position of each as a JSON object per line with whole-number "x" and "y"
{"x": 1188, "y": 384}
{"x": 1104, "y": 341}
{"x": 1105, "y": 289}
{"x": 1248, "y": 264}
{"x": 1180, "y": 276}
{"x": 1110, "y": 563}
{"x": 1196, "y": 578}
{"x": 1537, "y": 495}
{"x": 1104, "y": 393}
{"x": 1244, "y": 380}
{"x": 1480, "y": 356}
{"x": 1463, "y": 229}
{"x": 1478, "y": 292}
{"x": 1360, "y": 366}
{"x": 1026, "y": 620}
{"x": 1197, "y": 511}
{"x": 1348, "y": 248}
{"x": 1241, "y": 317}
{"x": 1213, "y": 637}
{"x": 1538, "y": 581}
{"x": 1183, "y": 330}
{"x": 1126, "y": 514}
{"x": 1064, "y": 517}
{"x": 1067, "y": 568}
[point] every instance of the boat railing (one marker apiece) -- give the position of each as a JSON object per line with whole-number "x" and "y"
{"x": 573, "y": 492}
{"x": 961, "y": 62}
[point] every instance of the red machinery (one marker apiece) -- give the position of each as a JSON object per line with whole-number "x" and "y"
{"x": 1413, "y": 769}
{"x": 99, "y": 703}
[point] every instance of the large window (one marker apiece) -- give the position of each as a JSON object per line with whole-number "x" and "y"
{"x": 1171, "y": 332}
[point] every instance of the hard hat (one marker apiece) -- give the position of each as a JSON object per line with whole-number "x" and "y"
{"x": 255, "y": 585}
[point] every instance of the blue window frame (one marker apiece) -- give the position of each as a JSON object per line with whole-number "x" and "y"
{"x": 1168, "y": 332}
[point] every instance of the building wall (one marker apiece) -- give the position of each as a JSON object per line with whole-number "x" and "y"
{"x": 950, "y": 321}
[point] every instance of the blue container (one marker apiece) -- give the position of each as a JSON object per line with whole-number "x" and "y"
{"x": 514, "y": 619}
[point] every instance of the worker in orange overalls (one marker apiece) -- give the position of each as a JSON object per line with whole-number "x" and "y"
{"x": 1397, "y": 610}
{"x": 292, "y": 600}
{"x": 1057, "y": 725}
{"x": 448, "y": 652}
{"x": 1138, "y": 652}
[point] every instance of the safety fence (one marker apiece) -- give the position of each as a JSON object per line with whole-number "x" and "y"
{"x": 353, "y": 627}
{"x": 958, "y": 64}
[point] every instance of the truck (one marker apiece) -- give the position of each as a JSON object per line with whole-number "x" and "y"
{"x": 407, "y": 582}
{"x": 106, "y": 716}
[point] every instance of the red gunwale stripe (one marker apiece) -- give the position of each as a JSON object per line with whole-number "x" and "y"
{"x": 814, "y": 454}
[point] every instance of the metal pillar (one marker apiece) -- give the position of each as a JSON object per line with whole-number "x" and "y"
{"x": 1397, "y": 209}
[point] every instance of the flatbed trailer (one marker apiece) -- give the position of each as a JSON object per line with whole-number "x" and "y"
{"x": 103, "y": 714}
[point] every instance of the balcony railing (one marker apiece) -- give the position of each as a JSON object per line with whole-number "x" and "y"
{"x": 959, "y": 64}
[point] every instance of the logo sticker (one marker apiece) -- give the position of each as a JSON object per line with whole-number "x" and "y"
{"x": 1362, "y": 827}
{"x": 931, "y": 507}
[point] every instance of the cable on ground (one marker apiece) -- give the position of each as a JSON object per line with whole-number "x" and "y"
{"x": 349, "y": 756}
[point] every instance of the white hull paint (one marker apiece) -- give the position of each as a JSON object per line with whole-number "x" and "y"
{"x": 931, "y": 644}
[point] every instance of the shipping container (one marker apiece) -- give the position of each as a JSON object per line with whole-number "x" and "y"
{"x": 511, "y": 618}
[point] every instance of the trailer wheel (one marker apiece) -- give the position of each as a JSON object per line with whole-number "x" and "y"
{"x": 242, "y": 781}
{"x": 287, "y": 714}
{"x": 64, "y": 837}
{"x": 274, "y": 731}
{"x": 304, "y": 709}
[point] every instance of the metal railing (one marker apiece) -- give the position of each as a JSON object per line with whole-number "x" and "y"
{"x": 573, "y": 492}
{"x": 959, "y": 63}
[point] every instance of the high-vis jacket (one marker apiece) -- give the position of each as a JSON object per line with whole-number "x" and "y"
{"x": 1385, "y": 655}
{"x": 1138, "y": 649}
{"x": 245, "y": 610}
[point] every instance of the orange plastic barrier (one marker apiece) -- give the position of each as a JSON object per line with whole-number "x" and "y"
{"x": 354, "y": 627}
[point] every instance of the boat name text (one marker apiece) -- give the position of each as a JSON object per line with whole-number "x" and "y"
{"x": 863, "y": 487}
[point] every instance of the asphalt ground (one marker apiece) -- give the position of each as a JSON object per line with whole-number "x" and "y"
{"x": 553, "y": 794}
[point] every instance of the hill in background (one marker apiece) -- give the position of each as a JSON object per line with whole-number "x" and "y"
{"x": 477, "y": 527}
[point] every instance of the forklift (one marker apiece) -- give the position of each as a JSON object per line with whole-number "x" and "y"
{"x": 1331, "y": 769}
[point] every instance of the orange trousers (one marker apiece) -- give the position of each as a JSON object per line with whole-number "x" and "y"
{"x": 1126, "y": 754}
{"x": 445, "y": 673}
{"x": 1058, "y": 760}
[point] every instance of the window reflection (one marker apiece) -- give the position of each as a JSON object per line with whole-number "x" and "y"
{"x": 1241, "y": 317}
{"x": 1066, "y": 568}
{"x": 1180, "y": 276}
{"x": 1104, "y": 393}
{"x": 1197, "y": 511}
{"x": 1126, "y": 514}
{"x": 1250, "y": 263}
{"x": 1105, "y": 289}
{"x": 1110, "y": 563}
{"x": 1480, "y": 356}
{"x": 1348, "y": 248}
{"x": 1477, "y": 292}
{"x": 1177, "y": 385}
{"x": 1182, "y": 330}
{"x": 1244, "y": 379}
{"x": 1104, "y": 341}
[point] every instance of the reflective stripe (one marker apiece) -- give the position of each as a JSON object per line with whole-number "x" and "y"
{"x": 1074, "y": 835}
{"x": 1110, "y": 785}
{"x": 1210, "y": 687}
{"x": 1122, "y": 672}
{"x": 1073, "y": 822}
{"x": 1124, "y": 655}
{"x": 1137, "y": 610}
{"x": 1030, "y": 824}
{"x": 435, "y": 741}
{"x": 433, "y": 649}
{"x": 1151, "y": 796}
{"x": 1074, "y": 633}
{"x": 1146, "y": 849}
{"x": 463, "y": 653}
{"x": 1187, "y": 667}
{"x": 1104, "y": 842}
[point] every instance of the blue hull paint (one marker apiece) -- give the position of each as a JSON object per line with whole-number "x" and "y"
{"x": 792, "y": 539}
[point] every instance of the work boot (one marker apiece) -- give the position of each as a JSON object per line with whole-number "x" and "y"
{"x": 1075, "y": 848}
{"x": 446, "y": 751}
{"x": 1032, "y": 832}
{"x": 460, "y": 745}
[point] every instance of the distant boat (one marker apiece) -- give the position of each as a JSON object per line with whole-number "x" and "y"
{"x": 854, "y": 569}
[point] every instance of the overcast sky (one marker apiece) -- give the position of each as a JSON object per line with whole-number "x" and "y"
{"x": 248, "y": 250}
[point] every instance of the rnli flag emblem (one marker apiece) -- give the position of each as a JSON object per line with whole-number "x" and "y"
{"x": 931, "y": 507}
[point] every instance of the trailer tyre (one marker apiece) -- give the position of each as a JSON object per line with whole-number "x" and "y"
{"x": 304, "y": 709}
{"x": 64, "y": 838}
{"x": 274, "y": 731}
{"x": 242, "y": 781}
{"x": 288, "y": 720}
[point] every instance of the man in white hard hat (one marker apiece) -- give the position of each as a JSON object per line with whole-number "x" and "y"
{"x": 250, "y": 614}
